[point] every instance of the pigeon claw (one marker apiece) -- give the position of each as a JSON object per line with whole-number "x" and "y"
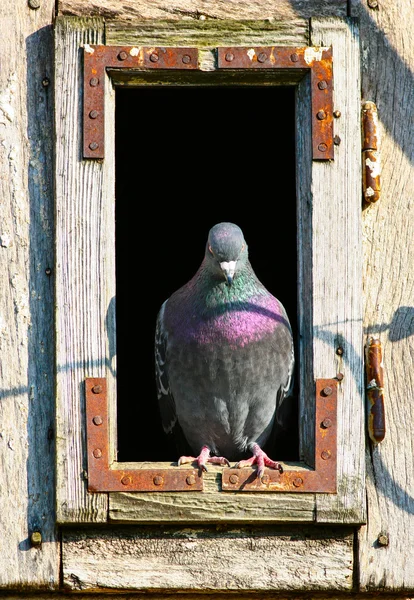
{"x": 260, "y": 459}
{"x": 203, "y": 458}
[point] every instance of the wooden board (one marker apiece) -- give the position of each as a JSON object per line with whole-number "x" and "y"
{"x": 387, "y": 79}
{"x": 208, "y": 559}
{"x": 200, "y": 9}
{"x": 84, "y": 262}
{"x": 26, "y": 299}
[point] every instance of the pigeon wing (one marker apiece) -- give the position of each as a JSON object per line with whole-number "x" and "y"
{"x": 165, "y": 398}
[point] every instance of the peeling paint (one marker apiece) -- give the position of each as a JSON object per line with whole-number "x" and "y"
{"x": 369, "y": 192}
{"x": 134, "y": 51}
{"x": 313, "y": 53}
{"x": 88, "y": 49}
{"x": 6, "y": 240}
{"x": 6, "y": 101}
{"x": 251, "y": 53}
{"x": 374, "y": 166}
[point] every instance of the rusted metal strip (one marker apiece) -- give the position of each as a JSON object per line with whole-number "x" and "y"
{"x": 97, "y": 59}
{"x": 320, "y": 479}
{"x": 317, "y": 60}
{"x": 371, "y": 163}
{"x": 102, "y": 477}
{"x": 375, "y": 391}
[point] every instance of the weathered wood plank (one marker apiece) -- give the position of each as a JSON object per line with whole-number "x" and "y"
{"x": 84, "y": 262}
{"x": 202, "y": 9}
{"x": 337, "y": 271}
{"x": 387, "y": 79}
{"x": 210, "y": 505}
{"x": 26, "y": 299}
{"x": 294, "y": 32}
{"x": 206, "y": 559}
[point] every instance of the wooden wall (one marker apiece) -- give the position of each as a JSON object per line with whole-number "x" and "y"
{"x": 384, "y": 548}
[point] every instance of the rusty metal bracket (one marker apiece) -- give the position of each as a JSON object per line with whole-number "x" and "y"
{"x": 320, "y": 479}
{"x": 371, "y": 159}
{"x": 104, "y": 477}
{"x": 97, "y": 59}
{"x": 375, "y": 391}
{"x": 316, "y": 60}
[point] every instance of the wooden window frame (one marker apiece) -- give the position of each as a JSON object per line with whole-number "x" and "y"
{"x": 330, "y": 296}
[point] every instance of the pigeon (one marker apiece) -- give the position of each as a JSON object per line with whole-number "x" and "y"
{"x": 224, "y": 358}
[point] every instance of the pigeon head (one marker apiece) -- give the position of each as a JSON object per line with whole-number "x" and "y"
{"x": 226, "y": 251}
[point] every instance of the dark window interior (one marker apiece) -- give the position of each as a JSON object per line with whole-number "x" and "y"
{"x": 187, "y": 158}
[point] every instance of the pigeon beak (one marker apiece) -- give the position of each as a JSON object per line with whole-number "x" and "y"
{"x": 228, "y": 269}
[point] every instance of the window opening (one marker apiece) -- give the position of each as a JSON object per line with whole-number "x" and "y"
{"x": 188, "y": 157}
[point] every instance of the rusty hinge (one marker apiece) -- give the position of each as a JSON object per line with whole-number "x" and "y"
{"x": 102, "y": 477}
{"x": 304, "y": 479}
{"x": 375, "y": 391}
{"x": 316, "y": 60}
{"x": 371, "y": 163}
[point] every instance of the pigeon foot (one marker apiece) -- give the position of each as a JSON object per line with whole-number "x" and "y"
{"x": 203, "y": 458}
{"x": 260, "y": 459}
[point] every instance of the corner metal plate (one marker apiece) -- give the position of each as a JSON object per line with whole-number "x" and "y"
{"x": 322, "y": 478}
{"x": 102, "y": 477}
{"x": 316, "y": 60}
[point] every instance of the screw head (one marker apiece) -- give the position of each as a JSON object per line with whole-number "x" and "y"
{"x": 122, "y": 55}
{"x": 382, "y": 539}
{"x": 262, "y": 57}
{"x": 34, "y": 4}
{"x": 93, "y": 114}
{"x": 158, "y": 480}
{"x": 94, "y": 81}
{"x": 97, "y": 453}
{"x": 337, "y": 114}
{"x": 327, "y": 391}
{"x": 326, "y": 423}
{"x": 294, "y": 57}
{"x": 126, "y": 480}
{"x": 233, "y": 478}
{"x": 340, "y": 376}
{"x": 186, "y": 59}
{"x": 322, "y": 85}
{"x": 97, "y": 420}
{"x": 337, "y": 140}
{"x": 322, "y": 147}
{"x": 154, "y": 57}
{"x": 325, "y": 454}
{"x": 36, "y": 539}
{"x": 93, "y": 146}
{"x": 298, "y": 481}
{"x": 229, "y": 57}
{"x": 45, "y": 82}
{"x": 373, "y": 3}
{"x": 339, "y": 351}
{"x": 97, "y": 389}
{"x": 190, "y": 480}
{"x": 321, "y": 115}
{"x": 48, "y": 271}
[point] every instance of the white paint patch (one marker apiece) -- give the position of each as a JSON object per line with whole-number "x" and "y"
{"x": 374, "y": 166}
{"x": 369, "y": 191}
{"x": 134, "y": 51}
{"x": 6, "y": 240}
{"x": 89, "y": 49}
{"x": 251, "y": 53}
{"x": 313, "y": 53}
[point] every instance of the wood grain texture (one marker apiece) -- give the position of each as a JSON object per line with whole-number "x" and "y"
{"x": 388, "y": 80}
{"x": 210, "y": 505}
{"x": 212, "y": 32}
{"x": 26, "y": 299}
{"x": 330, "y": 271}
{"x": 199, "y": 9}
{"x": 85, "y": 272}
{"x": 206, "y": 559}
